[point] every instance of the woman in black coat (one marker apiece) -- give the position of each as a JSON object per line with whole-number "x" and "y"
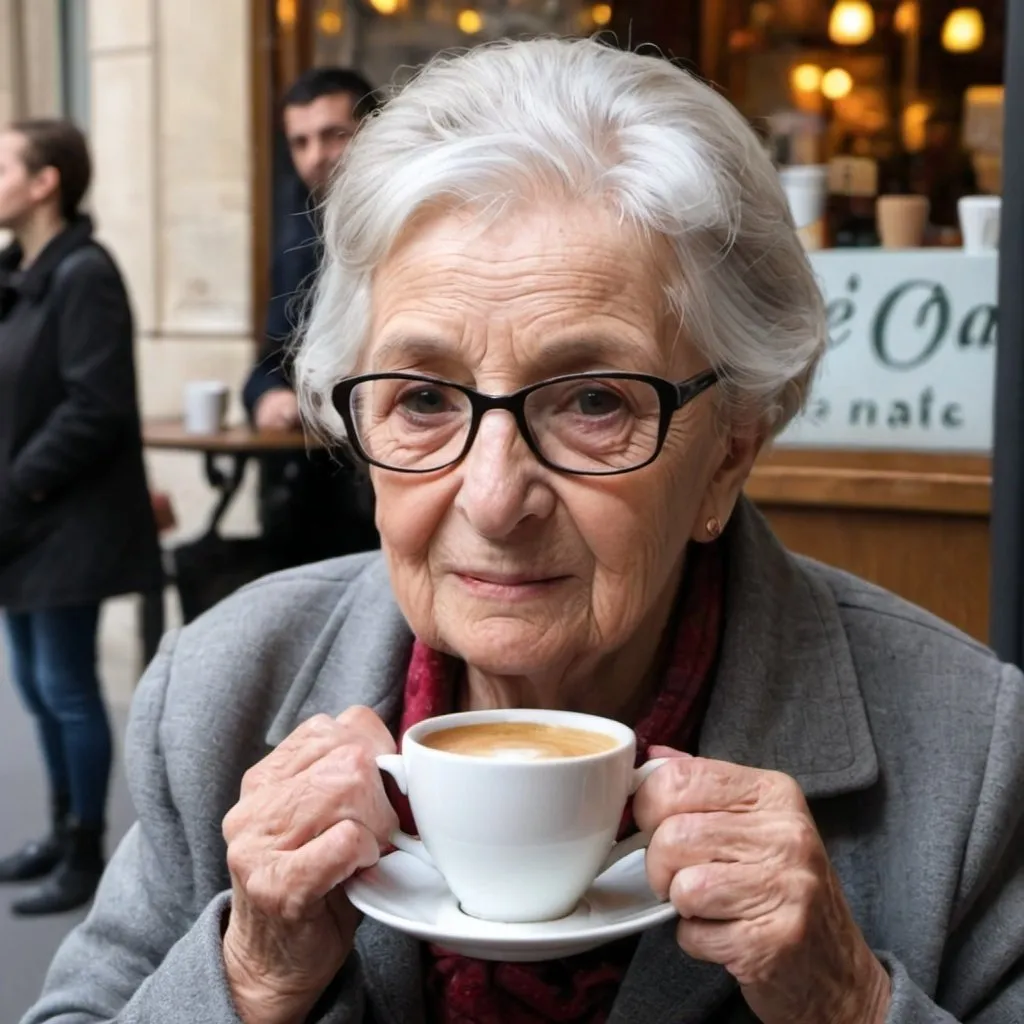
{"x": 76, "y": 525}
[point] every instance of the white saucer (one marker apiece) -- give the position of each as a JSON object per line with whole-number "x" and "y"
{"x": 406, "y": 894}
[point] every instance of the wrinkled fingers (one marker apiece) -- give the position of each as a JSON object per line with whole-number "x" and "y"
{"x": 291, "y": 885}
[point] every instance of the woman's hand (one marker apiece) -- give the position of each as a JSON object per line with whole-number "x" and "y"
{"x": 311, "y": 814}
{"x": 737, "y": 852}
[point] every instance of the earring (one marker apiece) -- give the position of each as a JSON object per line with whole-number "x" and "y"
{"x": 713, "y": 527}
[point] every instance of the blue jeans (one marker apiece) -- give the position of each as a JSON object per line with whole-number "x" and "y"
{"x": 53, "y": 661}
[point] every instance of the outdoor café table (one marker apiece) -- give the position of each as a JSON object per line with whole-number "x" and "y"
{"x": 225, "y": 457}
{"x": 225, "y": 454}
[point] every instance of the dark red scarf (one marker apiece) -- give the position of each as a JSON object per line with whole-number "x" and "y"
{"x": 578, "y": 989}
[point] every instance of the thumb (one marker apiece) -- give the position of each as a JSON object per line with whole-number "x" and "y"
{"x": 656, "y": 750}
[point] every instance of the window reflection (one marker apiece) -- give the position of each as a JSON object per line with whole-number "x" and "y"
{"x": 387, "y": 39}
{"x": 890, "y": 97}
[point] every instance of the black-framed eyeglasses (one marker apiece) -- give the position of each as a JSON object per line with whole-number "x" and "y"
{"x": 589, "y": 424}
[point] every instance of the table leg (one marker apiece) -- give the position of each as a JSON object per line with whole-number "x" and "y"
{"x": 226, "y": 482}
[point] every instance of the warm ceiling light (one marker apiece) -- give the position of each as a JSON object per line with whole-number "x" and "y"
{"x": 905, "y": 20}
{"x": 836, "y": 83}
{"x": 851, "y": 22}
{"x": 384, "y": 6}
{"x": 286, "y": 13}
{"x": 469, "y": 21}
{"x": 329, "y": 23}
{"x": 601, "y": 13}
{"x": 914, "y": 124}
{"x": 806, "y": 78}
{"x": 963, "y": 30}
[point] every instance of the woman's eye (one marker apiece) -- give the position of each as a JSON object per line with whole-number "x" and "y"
{"x": 598, "y": 402}
{"x": 423, "y": 401}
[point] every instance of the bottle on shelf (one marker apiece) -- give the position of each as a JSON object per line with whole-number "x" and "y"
{"x": 853, "y": 189}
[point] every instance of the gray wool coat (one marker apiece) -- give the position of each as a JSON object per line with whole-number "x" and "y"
{"x": 906, "y": 736}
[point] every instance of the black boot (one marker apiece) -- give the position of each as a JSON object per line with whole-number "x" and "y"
{"x": 41, "y": 856}
{"x": 74, "y": 881}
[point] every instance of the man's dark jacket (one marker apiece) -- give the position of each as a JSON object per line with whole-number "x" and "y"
{"x": 312, "y": 505}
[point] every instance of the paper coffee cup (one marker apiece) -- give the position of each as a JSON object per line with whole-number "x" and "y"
{"x": 206, "y": 403}
{"x": 979, "y": 223}
{"x": 902, "y": 220}
{"x": 806, "y": 189}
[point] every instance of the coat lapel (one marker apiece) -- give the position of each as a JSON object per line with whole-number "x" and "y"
{"x": 360, "y": 658}
{"x": 35, "y": 280}
{"x": 785, "y": 697}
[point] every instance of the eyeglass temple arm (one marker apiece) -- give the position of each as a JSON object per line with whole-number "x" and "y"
{"x": 688, "y": 390}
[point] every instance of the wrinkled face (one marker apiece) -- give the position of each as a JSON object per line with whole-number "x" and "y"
{"x": 18, "y": 188}
{"x": 516, "y": 568}
{"x": 318, "y": 135}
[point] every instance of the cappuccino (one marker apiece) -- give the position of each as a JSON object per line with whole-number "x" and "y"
{"x": 518, "y": 741}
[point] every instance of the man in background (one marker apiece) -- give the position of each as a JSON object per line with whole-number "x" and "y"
{"x": 311, "y": 506}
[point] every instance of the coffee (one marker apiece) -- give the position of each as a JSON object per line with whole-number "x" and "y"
{"x": 518, "y": 741}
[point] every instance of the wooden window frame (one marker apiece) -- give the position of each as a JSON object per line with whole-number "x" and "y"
{"x": 278, "y": 55}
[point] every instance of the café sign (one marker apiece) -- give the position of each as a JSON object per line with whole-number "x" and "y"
{"x": 911, "y": 357}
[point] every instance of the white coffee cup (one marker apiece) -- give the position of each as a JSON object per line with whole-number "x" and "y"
{"x": 206, "y": 403}
{"x": 979, "y": 223}
{"x": 806, "y": 188}
{"x": 518, "y": 840}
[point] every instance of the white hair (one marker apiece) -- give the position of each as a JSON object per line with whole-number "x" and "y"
{"x": 581, "y": 120}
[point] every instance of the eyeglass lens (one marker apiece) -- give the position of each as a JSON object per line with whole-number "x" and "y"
{"x": 585, "y": 424}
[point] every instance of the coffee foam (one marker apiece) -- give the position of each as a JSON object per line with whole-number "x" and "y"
{"x": 518, "y": 741}
{"x": 518, "y": 754}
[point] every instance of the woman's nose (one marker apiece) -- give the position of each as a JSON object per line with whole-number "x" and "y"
{"x": 502, "y": 483}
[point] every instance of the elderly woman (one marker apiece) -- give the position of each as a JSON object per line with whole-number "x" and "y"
{"x": 563, "y": 308}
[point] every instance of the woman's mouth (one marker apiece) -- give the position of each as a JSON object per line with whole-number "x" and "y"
{"x": 508, "y": 586}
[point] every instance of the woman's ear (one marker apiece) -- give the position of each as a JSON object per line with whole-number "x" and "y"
{"x": 44, "y": 184}
{"x": 725, "y": 487}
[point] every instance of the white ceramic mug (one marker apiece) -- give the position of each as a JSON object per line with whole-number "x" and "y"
{"x": 806, "y": 188}
{"x": 979, "y": 223}
{"x": 206, "y": 403}
{"x": 518, "y": 840}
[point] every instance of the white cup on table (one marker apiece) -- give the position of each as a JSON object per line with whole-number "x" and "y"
{"x": 205, "y": 405}
{"x": 979, "y": 223}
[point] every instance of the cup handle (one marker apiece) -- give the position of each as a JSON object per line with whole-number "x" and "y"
{"x": 394, "y": 765}
{"x": 641, "y": 839}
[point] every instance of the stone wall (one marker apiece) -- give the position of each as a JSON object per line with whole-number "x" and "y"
{"x": 29, "y": 62}
{"x": 29, "y": 59}
{"x": 170, "y": 130}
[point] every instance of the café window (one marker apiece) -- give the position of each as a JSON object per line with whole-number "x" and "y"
{"x": 882, "y": 97}
{"x": 888, "y": 97}
{"x": 387, "y": 39}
